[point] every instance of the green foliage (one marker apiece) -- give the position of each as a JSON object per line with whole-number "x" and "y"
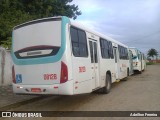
{"x": 150, "y": 63}
{"x": 6, "y": 43}
{"x": 152, "y": 52}
{"x": 14, "y": 12}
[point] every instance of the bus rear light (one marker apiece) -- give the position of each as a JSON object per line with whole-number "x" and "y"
{"x": 64, "y": 73}
{"x": 55, "y": 87}
{"x": 13, "y": 75}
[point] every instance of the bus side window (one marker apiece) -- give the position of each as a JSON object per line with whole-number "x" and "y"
{"x": 111, "y": 50}
{"x": 95, "y": 53}
{"x": 79, "y": 42}
{"x": 123, "y": 52}
{"x": 104, "y": 48}
{"x": 91, "y": 51}
{"x": 74, "y": 37}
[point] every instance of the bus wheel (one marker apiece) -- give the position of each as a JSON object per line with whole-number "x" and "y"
{"x": 107, "y": 87}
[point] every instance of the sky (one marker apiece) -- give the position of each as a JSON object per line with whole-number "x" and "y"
{"x": 135, "y": 23}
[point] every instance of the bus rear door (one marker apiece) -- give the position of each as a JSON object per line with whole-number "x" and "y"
{"x": 116, "y": 61}
{"x": 94, "y": 63}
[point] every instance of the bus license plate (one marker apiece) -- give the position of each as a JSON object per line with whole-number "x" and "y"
{"x": 36, "y": 90}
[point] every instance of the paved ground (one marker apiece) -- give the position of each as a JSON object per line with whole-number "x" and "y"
{"x": 140, "y": 93}
{"x": 7, "y": 97}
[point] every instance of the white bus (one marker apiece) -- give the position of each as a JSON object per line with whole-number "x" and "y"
{"x": 57, "y": 56}
{"x": 139, "y": 61}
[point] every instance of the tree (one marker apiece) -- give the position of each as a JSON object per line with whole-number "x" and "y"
{"x": 14, "y": 12}
{"x": 152, "y": 52}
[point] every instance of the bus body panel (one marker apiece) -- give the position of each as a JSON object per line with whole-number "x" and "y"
{"x": 35, "y": 72}
{"x": 124, "y": 64}
{"x": 81, "y": 75}
{"x": 40, "y": 74}
{"x": 56, "y": 89}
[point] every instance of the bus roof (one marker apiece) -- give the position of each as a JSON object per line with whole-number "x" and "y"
{"x": 36, "y": 21}
{"x": 76, "y": 24}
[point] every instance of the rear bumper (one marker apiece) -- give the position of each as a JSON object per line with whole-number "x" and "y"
{"x": 136, "y": 68}
{"x": 55, "y": 89}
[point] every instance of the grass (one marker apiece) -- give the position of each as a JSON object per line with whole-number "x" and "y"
{"x": 150, "y": 63}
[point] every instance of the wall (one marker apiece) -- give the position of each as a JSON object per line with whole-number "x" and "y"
{"x": 5, "y": 67}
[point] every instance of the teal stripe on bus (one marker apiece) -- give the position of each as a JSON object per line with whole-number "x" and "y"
{"x": 44, "y": 60}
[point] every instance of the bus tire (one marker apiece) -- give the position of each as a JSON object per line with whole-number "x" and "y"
{"x": 106, "y": 89}
{"x": 127, "y": 72}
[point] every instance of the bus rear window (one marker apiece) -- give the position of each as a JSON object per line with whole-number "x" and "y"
{"x": 40, "y": 36}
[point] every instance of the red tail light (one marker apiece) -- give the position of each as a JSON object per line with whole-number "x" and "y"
{"x": 13, "y": 75}
{"x": 64, "y": 73}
